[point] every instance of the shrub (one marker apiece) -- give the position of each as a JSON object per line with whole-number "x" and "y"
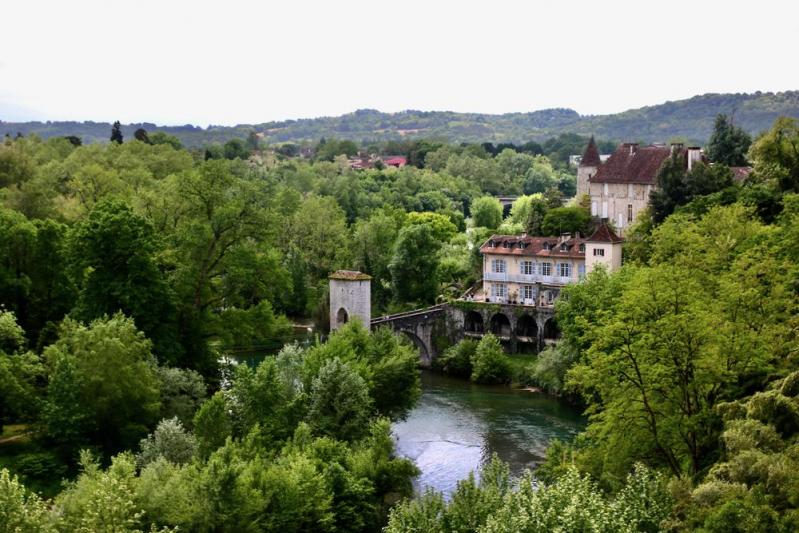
{"x": 457, "y": 360}
{"x": 489, "y": 363}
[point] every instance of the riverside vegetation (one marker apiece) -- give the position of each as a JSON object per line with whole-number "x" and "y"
{"x": 129, "y": 269}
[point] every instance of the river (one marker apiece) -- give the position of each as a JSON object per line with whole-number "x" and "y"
{"x": 456, "y": 426}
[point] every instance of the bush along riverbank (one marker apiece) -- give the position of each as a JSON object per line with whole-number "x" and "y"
{"x": 485, "y": 361}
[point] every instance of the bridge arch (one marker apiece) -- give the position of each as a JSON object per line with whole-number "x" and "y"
{"x": 424, "y": 353}
{"x": 500, "y": 325}
{"x": 473, "y": 322}
{"x": 551, "y": 330}
{"x": 526, "y": 327}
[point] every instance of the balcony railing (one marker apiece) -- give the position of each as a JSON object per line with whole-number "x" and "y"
{"x": 529, "y": 279}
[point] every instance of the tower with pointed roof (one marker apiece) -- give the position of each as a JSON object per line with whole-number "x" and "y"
{"x": 589, "y": 164}
{"x": 603, "y": 247}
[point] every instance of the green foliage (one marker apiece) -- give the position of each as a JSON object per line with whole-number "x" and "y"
{"x": 571, "y": 503}
{"x": 457, "y": 359}
{"x": 113, "y": 255}
{"x": 339, "y": 402}
{"x": 414, "y": 265}
{"x": 212, "y": 424}
{"x": 677, "y": 186}
{"x": 728, "y": 144}
{"x": 776, "y": 155}
{"x": 442, "y": 227}
{"x": 566, "y": 220}
{"x": 489, "y": 364}
{"x": 550, "y": 368}
{"x": 486, "y": 212}
{"x": 21, "y": 510}
{"x": 103, "y": 385}
{"x": 182, "y": 391}
{"x": 103, "y": 500}
{"x": 169, "y": 441}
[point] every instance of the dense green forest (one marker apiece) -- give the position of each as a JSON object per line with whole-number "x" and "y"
{"x": 128, "y": 270}
{"x": 690, "y": 119}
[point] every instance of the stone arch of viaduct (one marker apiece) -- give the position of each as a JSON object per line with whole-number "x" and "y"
{"x": 519, "y": 328}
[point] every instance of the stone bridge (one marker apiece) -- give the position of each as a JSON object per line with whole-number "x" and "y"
{"x": 417, "y": 325}
{"x": 520, "y": 328}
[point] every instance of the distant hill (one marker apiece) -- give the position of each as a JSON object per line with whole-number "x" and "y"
{"x": 691, "y": 119}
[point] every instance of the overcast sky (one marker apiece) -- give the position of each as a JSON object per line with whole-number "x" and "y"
{"x": 228, "y": 62}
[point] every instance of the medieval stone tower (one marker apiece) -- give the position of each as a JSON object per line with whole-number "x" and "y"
{"x": 587, "y": 168}
{"x": 350, "y": 297}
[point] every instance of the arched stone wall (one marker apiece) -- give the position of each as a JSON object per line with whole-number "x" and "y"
{"x": 551, "y": 330}
{"x": 473, "y": 322}
{"x": 500, "y": 325}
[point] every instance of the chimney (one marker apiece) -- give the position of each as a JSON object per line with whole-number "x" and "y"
{"x": 565, "y": 237}
{"x": 694, "y": 156}
{"x": 633, "y": 147}
{"x": 676, "y": 147}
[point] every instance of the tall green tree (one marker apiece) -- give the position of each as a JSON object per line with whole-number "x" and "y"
{"x": 776, "y": 155}
{"x": 116, "y": 133}
{"x": 414, "y": 265}
{"x": 103, "y": 385}
{"x": 728, "y": 143}
{"x": 113, "y": 255}
{"x": 486, "y": 212}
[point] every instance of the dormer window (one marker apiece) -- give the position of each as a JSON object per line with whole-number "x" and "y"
{"x": 507, "y": 244}
{"x": 564, "y": 247}
{"x": 547, "y": 246}
{"x": 582, "y": 248}
{"x": 491, "y": 244}
{"x": 522, "y": 245}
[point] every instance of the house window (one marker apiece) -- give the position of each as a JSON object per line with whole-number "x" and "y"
{"x": 600, "y": 252}
{"x": 527, "y": 292}
{"x": 499, "y": 290}
{"x": 547, "y": 246}
{"x": 528, "y": 268}
{"x": 629, "y": 212}
{"x": 605, "y": 189}
{"x": 522, "y": 245}
{"x": 565, "y": 270}
{"x": 581, "y": 270}
{"x": 498, "y": 266}
{"x": 604, "y": 210}
{"x": 594, "y": 209}
{"x": 564, "y": 247}
{"x": 546, "y": 269}
{"x": 582, "y": 248}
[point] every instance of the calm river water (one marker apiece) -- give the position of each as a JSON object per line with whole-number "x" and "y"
{"x": 457, "y": 426}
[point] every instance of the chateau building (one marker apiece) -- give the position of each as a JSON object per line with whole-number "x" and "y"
{"x": 530, "y": 271}
{"x": 619, "y": 188}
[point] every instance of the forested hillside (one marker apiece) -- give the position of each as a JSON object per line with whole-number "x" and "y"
{"x": 690, "y": 119}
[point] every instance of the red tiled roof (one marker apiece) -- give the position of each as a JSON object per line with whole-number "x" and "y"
{"x": 632, "y": 164}
{"x": 396, "y": 161}
{"x": 604, "y": 234}
{"x": 591, "y": 155}
{"x": 534, "y": 246}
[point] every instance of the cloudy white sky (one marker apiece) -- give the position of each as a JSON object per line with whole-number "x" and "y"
{"x": 230, "y": 61}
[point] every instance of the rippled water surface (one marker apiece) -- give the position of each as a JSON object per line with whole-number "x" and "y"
{"x": 457, "y": 426}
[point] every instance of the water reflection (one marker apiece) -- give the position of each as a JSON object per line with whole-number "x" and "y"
{"x": 457, "y": 426}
